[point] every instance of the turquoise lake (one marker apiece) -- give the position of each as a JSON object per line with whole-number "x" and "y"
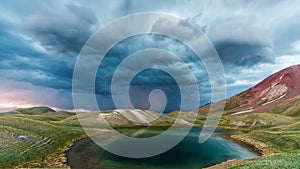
{"x": 188, "y": 154}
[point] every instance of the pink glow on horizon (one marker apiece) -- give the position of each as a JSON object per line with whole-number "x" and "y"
{"x": 16, "y": 94}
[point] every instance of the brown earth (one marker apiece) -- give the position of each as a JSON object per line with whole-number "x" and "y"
{"x": 275, "y": 89}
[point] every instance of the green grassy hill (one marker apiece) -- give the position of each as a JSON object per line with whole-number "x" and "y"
{"x": 37, "y": 136}
{"x": 275, "y": 132}
{"x": 31, "y": 135}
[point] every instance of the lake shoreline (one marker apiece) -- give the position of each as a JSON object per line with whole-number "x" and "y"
{"x": 57, "y": 159}
{"x": 253, "y": 146}
{"x": 258, "y": 146}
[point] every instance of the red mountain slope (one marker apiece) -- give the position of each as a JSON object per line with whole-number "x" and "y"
{"x": 277, "y": 88}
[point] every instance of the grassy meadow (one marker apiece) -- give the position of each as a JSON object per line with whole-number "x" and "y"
{"x": 38, "y": 137}
{"x": 29, "y": 136}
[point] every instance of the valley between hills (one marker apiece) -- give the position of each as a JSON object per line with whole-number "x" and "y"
{"x": 268, "y": 115}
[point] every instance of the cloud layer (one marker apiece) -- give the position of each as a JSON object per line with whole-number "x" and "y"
{"x": 40, "y": 44}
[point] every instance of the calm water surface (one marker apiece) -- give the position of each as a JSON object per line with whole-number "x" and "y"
{"x": 188, "y": 154}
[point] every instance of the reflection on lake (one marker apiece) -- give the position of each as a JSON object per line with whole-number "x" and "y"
{"x": 189, "y": 154}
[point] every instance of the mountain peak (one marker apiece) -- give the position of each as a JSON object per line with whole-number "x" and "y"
{"x": 280, "y": 86}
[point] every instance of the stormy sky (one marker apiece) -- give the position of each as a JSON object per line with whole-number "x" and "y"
{"x": 41, "y": 40}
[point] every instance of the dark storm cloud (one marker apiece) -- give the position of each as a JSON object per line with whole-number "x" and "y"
{"x": 63, "y": 31}
{"x": 59, "y": 34}
{"x": 21, "y": 61}
{"x": 10, "y": 44}
{"x": 54, "y": 74}
{"x": 241, "y": 54}
{"x": 150, "y": 79}
{"x": 41, "y": 39}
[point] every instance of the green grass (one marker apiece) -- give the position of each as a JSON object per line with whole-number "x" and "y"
{"x": 41, "y": 137}
{"x": 283, "y": 141}
{"x": 289, "y": 108}
{"x": 35, "y": 110}
{"x": 289, "y": 127}
{"x": 47, "y": 132}
{"x": 50, "y": 131}
{"x": 279, "y": 161}
{"x": 255, "y": 121}
{"x": 278, "y": 127}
